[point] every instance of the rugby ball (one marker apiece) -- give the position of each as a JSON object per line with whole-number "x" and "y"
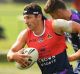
{"x": 30, "y": 61}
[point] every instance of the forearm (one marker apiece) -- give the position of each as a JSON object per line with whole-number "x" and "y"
{"x": 75, "y": 56}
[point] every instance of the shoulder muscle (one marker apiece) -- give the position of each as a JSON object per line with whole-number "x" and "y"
{"x": 62, "y": 25}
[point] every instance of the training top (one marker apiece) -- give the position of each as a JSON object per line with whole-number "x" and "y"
{"x": 49, "y": 43}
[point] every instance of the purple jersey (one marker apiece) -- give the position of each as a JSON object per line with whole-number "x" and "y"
{"x": 75, "y": 16}
{"x": 75, "y": 38}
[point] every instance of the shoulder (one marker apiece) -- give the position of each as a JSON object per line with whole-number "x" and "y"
{"x": 61, "y": 25}
{"x": 60, "y": 22}
{"x": 23, "y": 34}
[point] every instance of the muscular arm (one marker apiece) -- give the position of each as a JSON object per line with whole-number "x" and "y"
{"x": 17, "y": 46}
{"x": 62, "y": 26}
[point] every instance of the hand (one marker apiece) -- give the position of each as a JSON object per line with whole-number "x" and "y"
{"x": 20, "y": 58}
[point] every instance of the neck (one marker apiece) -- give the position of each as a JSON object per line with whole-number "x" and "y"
{"x": 39, "y": 29}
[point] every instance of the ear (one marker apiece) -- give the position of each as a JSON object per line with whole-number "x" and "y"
{"x": 39, "y": 16}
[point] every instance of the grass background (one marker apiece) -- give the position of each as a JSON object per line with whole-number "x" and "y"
{"x": 10, "y": 15}
{"x": 10, "y": 68}
{"x": 11, "y": 20}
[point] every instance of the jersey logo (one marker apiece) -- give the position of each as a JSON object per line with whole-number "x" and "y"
{"x": 49, "y": 36}
{"x": 40, "y": 39}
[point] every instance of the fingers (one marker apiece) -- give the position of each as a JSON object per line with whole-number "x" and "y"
{"x": 21, "y": 51}
{"x": 25, "y": 56}
{"x": 22, "y": 58}
{"x": 24, "y": 63}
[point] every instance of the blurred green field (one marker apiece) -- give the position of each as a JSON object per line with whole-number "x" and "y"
{"x": 11, "y": 20}
{"x": 10, "y": 68}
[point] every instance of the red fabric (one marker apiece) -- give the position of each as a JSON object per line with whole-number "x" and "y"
{"x": 49, "y": 44}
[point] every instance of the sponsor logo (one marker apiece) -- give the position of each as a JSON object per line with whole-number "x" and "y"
{"x": 40, "y": 39}
{"x": 47, "y": 61}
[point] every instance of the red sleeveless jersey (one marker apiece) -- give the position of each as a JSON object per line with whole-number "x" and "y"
{"x": 49, "y": 44}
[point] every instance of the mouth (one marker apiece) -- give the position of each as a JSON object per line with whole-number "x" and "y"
{"x": 28, "y": 25}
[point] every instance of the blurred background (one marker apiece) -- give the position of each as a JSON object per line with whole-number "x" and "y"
{"x": 11, "y": 24}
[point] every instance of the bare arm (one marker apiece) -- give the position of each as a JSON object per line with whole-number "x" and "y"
{"x": 62, "y": 26}
{"x": 13, "y": 53}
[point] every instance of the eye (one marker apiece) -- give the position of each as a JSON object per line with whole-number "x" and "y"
{"x": 28, "y": 17}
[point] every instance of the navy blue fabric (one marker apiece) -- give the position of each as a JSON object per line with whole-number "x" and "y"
{"x": 58, "y": 64}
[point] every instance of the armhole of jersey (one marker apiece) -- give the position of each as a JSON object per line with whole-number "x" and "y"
{"x": 51, "y": 26}
{"x": 54, "y": 29}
